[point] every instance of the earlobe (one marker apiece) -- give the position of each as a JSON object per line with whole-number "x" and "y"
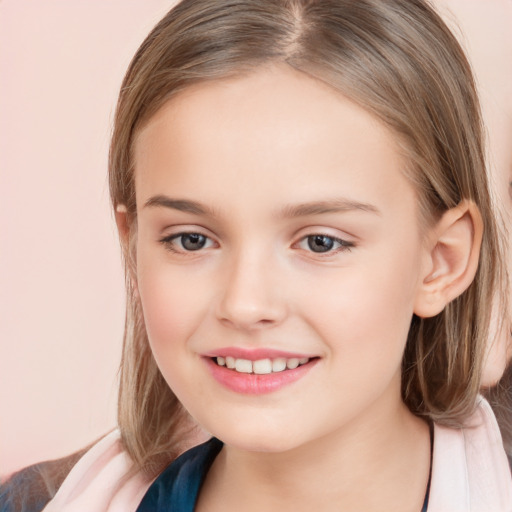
{"x": 452, "y": 259}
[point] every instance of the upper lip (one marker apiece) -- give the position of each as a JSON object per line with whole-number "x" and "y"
{"x": 255, "y": 354}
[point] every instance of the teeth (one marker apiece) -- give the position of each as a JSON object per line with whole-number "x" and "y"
{"x": 261, "y": 366}
{"x": 243, "y": 366}
{"x": 291, "y": 364}
{"x": 279, "y": 364}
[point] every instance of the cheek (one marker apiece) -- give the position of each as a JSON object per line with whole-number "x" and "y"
{"x": 163, "y": 307}
{"x": 173, "y": 312}
{"x": 171, "y": 303}
{"x": 365, "y": 313}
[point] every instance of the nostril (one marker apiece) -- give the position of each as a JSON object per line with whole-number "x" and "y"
{"x": 250, "y": 316}
{"x": 235, "y": 322}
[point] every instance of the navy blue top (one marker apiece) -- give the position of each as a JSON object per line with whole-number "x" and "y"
{"x": 177, "y": 487}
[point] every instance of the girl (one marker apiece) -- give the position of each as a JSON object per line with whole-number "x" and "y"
{"x": 301, "y": 197}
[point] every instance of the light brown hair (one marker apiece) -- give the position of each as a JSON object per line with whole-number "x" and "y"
{"x": 396, "y": 59}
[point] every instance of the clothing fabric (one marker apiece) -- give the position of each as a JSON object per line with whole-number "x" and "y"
{"x": 177, "y": 488}
{"x": 470, "y": 473}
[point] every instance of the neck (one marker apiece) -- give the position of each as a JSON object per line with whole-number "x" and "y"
{"x": 379, "y": 462}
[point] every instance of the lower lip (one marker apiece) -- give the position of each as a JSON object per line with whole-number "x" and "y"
{"x": 253, "y": 384}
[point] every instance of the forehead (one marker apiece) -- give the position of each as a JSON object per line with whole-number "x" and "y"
{"x": 275, "y": 125}
{"x": 269, "y": 99}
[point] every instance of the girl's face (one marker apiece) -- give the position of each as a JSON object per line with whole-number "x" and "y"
{"x": 276, "y": 228}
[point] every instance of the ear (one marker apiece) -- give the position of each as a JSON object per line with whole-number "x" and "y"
{"x": 125, "y": 234}
{"x": 123, "y": 226}
{"x": 451, "y": 260}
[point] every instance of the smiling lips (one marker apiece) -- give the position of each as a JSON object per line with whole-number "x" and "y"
{"x": 257, "y": 371}
{"x": 261, "y": 366}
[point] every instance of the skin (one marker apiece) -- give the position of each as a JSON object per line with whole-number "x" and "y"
{"x": 483, "y": 29}
{"x": 340, "y": 437}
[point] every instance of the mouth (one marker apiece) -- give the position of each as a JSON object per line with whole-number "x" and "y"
{"x": 261, "y": 366}
{"x": 254, "y": 374}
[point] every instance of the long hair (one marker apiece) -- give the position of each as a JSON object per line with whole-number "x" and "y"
{"x": 396, "y": 59}
{"x": 500, "y": 399}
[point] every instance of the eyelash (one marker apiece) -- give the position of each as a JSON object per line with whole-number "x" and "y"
{"x": 343, "y": 245}
{"x": 169, "y": 241}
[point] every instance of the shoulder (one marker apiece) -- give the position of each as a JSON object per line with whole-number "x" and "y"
{"x": 30, "y": 489}
{"x": 104, "y": 479}
{"x": 470, "y": 470}
{"x": 100, "y": 479}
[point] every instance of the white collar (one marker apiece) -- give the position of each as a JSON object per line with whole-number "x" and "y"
{"x": 470, "y": 471}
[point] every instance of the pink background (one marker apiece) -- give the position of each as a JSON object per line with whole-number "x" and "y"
{"x": 61, "y": 298}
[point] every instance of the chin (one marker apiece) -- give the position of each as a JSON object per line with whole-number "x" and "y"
{"x": 257, "y": 439}
{"x": 258, "y": 445}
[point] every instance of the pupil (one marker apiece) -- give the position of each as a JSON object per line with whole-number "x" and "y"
{"x": 320, "y": 243}
{"x": 193, "y": 241}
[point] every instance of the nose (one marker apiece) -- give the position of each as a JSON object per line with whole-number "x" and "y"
{"x": 252, "y": 293}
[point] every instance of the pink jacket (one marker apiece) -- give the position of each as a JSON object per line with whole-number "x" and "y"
{"x": 470, "y": 473}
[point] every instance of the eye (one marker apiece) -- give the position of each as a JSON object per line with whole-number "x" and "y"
{"x": 323, "y": 244}
{"x": 186, "y": 242}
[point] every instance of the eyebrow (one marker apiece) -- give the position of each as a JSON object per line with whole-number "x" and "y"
{"x": 182, "y": 205}
{"x": 290, "y": 211}
{"x": 330, "y": 206}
